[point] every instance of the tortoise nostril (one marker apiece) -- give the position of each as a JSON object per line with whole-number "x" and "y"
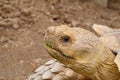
{"x": 51, "y": 29}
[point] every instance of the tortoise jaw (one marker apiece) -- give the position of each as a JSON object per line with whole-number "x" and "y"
{"x": 53, "y": 51}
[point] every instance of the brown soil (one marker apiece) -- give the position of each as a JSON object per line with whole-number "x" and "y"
{"x": 22, "y": 26}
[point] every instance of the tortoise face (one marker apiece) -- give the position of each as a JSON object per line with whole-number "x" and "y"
{"x": 74, "y": 47}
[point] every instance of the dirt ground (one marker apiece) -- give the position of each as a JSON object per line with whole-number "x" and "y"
{"x": 22, "y": 26}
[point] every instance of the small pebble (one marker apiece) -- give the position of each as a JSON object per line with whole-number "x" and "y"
{"x": 38, "y": 78}
{"x": 47, "y": 75}
{"x": 44, "y": 70}
{"x": 75, "y": 23}
{"x": 33, "y": 76}
{"x": 15, "y": 26}
{"x": 50, "y": 62}
{"x": 40, "y": 68}
{"x": 57, "y": 68}
{"x": 58, "y": 77}
{"x": 69, "y": 72}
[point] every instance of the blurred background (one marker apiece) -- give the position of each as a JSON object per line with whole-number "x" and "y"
{"x": 23, "y": 23}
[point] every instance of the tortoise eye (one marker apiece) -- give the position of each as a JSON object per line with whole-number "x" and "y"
{"x": 65, "y": 39}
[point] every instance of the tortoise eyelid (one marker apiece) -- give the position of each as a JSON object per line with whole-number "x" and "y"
{"x": 65, "y": 38}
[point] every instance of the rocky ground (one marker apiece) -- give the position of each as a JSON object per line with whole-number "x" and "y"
{"x": 22, "y": 26}
{"x": 54, "y": 70}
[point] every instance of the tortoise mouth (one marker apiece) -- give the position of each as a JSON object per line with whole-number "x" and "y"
{"x": 54, "y": 51}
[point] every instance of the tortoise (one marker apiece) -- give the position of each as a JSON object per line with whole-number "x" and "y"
{"x": 84, "y": 55}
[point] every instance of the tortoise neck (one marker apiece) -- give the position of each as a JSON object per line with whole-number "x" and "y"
{"x": 107, "y": 69}
{"x": 103, "y": 69}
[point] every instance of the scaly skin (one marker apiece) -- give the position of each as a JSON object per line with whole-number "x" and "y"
{"x": 103, "y": 30}
{"x": 81, "y": 51}
{"x": 110, "y": 37}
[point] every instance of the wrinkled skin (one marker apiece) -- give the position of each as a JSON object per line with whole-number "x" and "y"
{"x": 81, "y": 51}
{"x": 111, "y": 39}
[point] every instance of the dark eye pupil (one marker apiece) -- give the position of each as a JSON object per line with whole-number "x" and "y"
{"x": 65, "y": 39}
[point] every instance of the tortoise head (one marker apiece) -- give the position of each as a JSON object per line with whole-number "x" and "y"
{"x": 77, "y": 48}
